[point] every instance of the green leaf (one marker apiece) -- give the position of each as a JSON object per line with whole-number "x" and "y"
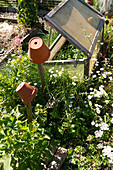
{"x": 45, "y": 143}
{"x": 19, "y": 1}
{"x": 61, "y": 130}
{"x": 1, "y": 136}
{"x": 70, "y": 153}
{"x": 47, "y": 137}
{"x": 30, "y": 127}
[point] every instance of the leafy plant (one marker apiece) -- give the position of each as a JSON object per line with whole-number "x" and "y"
{"x": 28, "y": 12}
{"x": 25, "y": 144}
{"x": 69, "y": 52}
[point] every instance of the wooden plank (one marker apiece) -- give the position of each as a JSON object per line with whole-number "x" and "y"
{"x": 86, "y": 67}
{"x": 95, "y": 54}
{"x": 89, "y": 63}
{"x": 97, "y": 35}
{"x": 8, "y": 9}
{"x": 71, "y": 19}
{"x": 55, "y": 41}
{"x": 8, "y": 19}
{"x": 57, "y": 47}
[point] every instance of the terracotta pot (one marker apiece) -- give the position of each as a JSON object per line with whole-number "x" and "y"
{"x": 38, "y": 51}
{"x": 26, "y": 92}
{"x": 90, "y": 2}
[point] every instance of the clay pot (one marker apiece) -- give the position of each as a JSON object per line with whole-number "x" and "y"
{"x": 90, "y": 2}
{"x": 26, "y": 92}
{"x": 38, "y": 51}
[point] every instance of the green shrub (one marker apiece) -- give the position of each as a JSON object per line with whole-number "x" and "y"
{"x": 28, "y": 12}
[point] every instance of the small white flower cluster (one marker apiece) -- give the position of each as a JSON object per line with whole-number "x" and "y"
{"x": 106, "y": 101}
{"x": 100, "y": 146}
{"x": 108, "y": 151}
{"x": 70, "y": 104}
{"x": 73, "y": 83}
{"x": 74, "y": 77}
{"x": 77, "y": 109}
{"x": 98, "y": 133}
{"x": 98, "y": 106}
{"x": 98, "y": 110}
{"x": 112, "y": 120}
{"x": 94, "y": 93}
{"x": 55, "y": 73}
{"x": 105, "y": 74}
{"x": 103, "y": 126}
{"x": 98, "y": 93}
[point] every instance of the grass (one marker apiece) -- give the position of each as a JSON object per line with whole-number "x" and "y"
{"x": 74, "y": 70}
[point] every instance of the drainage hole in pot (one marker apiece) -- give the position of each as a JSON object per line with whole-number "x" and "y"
{"x": 35, "y": 43}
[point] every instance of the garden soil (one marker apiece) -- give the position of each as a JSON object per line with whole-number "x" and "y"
{"x": 8, "y": 32}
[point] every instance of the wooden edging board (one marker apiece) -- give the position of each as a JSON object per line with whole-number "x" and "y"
{"x": 8, "y": 9}
{"x": 8, "y": 19}
{"x": 70, "y": 18}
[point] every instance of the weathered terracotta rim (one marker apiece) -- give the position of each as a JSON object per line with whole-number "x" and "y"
{"x": 19, "y": 88}
{"x": 36, "y": 46}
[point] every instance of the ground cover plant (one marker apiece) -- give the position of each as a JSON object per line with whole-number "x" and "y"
{"x": 69, "y": 52}
{"x": 77, "y": 115}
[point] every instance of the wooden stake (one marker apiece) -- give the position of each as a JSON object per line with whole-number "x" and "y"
{"x": 41, "y": 71}
{"x": 50, "y": 36}
{"x": 105, "y": 6}
{"x": 29, "y": 112}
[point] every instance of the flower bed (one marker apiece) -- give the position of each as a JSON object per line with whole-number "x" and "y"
{"x": 80, "y": 120}
{"x": 78, "y": 116}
